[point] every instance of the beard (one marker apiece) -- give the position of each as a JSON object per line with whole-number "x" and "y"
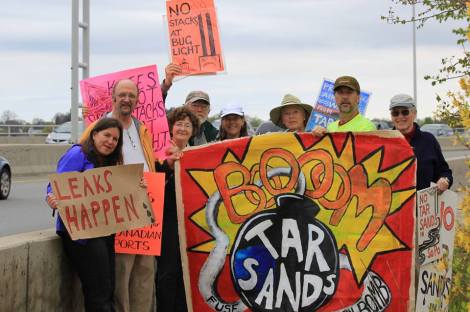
{"x": 201, "y": 119}
{"x": 125, "y": 110}
{"x": 346, "y": 109}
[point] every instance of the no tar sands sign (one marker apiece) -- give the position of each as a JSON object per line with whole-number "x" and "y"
{"x": 436, "y": 230}
{"x": 102, "y": 201}
{"x": 291, "y": 222}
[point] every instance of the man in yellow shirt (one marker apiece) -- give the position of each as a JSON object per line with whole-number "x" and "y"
{"x": 347, "y": 95}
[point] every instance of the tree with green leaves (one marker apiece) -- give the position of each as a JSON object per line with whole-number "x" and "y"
{"x": 453, "y": 67}
{"x": 455, "y": 110}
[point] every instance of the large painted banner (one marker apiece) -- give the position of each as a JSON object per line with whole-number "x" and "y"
{"x": 436, "y": 231}
{"x": 291, "y": 222}
{"x": 325, "y": 110}
{"x": 147, "y": 240}
{"x": 97, "y": 97}
{"x": 194, "y": 36}
{"x": 102, "y": 201}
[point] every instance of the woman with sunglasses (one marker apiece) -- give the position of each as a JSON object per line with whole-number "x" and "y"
{"x": 92, "y": 259}
{"x": 432, "y": 166}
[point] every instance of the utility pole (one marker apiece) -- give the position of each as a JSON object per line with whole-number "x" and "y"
{"x": 84, "y": 65}
{"x": 415, "y": 91}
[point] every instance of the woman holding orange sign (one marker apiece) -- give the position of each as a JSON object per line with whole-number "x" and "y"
{"x": 169, "y": 280}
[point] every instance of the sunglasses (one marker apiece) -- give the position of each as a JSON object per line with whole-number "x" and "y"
{"x": 397, "y": 112}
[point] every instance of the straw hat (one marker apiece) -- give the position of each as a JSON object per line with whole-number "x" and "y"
{"x": 288, "y": 100}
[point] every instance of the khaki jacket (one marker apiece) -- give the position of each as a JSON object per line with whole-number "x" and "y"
{"x": 145, "y": 141}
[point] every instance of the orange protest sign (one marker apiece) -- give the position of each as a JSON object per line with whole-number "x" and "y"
{"x": 147, "y": 240}
{"x": 194, "y": 36}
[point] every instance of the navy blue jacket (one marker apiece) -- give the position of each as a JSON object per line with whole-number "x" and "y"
{"x": 430, "y": 161}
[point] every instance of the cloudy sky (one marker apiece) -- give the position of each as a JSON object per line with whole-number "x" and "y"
{"x": 270, "y": 48}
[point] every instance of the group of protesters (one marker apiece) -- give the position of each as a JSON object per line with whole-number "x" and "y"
{"x": 125, "y": 282}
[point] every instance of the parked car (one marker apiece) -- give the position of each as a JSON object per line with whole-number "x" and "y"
{"x": 382, "y": 125}
{"x": 438, "y": 129}
{"x": 34, "y": 131}
{"x": 5, "y": 178}
{"x": 63, "y": 133}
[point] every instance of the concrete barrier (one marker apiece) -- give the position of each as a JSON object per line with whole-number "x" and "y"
{"x": 42, "y": 158}
{"x": 33, "y": 159}
{"x": 35, "y": 274}
{"x": 26, "y": 139}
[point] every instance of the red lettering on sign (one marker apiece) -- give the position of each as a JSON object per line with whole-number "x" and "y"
{"x": 99, "y": 188}
{"x": 95, "y": 208}
{"x": 87, "y": 188}
{"x": 59, "y": 195}
{"x": 116, "y": 207}
{"x": 71, "y": 218}
{"x": 130, "y": 207}
{"x": 106, "y": 207}
{"x": 106, "y": 175}
{"x": 73, "y": 187}
{"x": 445, "y": 212}
{"x": 84, "y": 217}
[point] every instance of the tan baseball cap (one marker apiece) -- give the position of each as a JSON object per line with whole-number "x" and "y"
{"x": 194, "y": 96}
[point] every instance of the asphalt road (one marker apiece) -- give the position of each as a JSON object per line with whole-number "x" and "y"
{"x": 26, "y": 210}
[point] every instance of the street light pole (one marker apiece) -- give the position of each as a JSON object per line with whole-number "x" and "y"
{"x": 77, "y": 26}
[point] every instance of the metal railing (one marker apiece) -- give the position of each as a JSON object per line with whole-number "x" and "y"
{"x": 26, "y": 130}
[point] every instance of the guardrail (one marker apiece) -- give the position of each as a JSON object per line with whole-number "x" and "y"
{"x": 26, "y": 130}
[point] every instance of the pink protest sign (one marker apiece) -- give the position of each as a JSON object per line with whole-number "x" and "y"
{"x": 97, "y": 97}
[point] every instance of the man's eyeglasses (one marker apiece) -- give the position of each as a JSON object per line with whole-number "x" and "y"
{"x": 123, "y": 95}
{"x": 202, "y": 106}
{"x": 397, "y": 112}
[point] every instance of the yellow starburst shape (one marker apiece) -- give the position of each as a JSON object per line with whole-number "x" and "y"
{"x": 355, "y": 198}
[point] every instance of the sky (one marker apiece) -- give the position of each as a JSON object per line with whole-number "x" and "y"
{"x": 270, "y": 48}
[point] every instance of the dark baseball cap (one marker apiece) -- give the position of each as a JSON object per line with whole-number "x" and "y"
{"x": 347, "y": 81}
{"x": 194, "y": 96}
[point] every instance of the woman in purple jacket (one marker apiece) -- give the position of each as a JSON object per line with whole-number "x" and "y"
{"x": 93, "y": 259}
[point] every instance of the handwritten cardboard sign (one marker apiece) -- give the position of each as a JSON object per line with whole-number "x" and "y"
{"x": 194, "y": 36}
{"x": 325, "y": 110}
{"x": 97, "y": 97}
{"x": 147, "y": 240}
{"x": 102, "y": 201}
{"x": 428, "y": 226}
{"x": 437, "y": 222}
